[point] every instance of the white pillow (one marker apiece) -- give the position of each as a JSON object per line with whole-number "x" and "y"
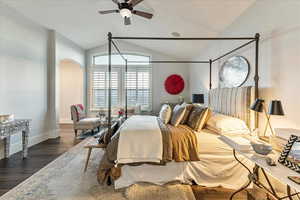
{"x": 165, "y": 113}
{"x": 224, "y": 124}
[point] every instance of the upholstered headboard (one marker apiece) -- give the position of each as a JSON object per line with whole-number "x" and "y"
{"x": 234, "y": 102}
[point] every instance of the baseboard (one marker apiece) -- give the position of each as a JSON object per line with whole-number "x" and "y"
{"x": 53, "y": 134}
{"x": 65, "y": 121}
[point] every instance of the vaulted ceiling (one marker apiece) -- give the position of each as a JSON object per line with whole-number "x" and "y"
{"x": 79, "y": 20}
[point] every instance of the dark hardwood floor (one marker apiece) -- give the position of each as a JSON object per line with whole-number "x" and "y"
{"x": 15, "y": 170}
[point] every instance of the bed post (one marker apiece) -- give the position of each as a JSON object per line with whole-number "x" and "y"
{"x": 256, "y": 76}
{"x": 126, "y": 108}
{"x": 210, "y": 84}
{"x": 109, "y": 84}
{"x": 210, "y": 71}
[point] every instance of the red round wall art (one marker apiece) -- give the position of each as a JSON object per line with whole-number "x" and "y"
{"x": 174, "y": 84}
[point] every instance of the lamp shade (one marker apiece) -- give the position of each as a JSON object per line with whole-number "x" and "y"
{"x": 198, "y": 98}
{"x": 257, "y": 106}
{"x": 275, "y": 108}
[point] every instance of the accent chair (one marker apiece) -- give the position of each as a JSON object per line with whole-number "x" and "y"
{"x": 81, "y": 121}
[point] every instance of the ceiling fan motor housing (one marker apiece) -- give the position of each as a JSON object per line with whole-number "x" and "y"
{"x": 125, "y": 6}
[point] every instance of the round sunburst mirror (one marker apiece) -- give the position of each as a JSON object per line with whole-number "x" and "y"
{"x": 234, "y": 72}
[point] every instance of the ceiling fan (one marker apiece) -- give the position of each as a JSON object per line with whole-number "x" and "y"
{"x": 126, "y": 10}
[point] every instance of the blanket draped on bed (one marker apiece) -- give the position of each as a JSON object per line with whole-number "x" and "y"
{"x": 137, "y": 136}
{"x": 178, "y": 144}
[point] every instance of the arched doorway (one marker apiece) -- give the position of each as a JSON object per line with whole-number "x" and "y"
{"x": 70, "y": 88}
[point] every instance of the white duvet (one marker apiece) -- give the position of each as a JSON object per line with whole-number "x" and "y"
{"x": 217, "y": 167}
{"x": 140, "y": 140}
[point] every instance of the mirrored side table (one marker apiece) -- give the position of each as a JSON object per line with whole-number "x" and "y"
{"x": 10, "y": 128}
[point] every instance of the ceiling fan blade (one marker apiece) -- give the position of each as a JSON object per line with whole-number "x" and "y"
{"x": 142, "y": 14}
{"x": 108, "y": 11}
{"x": 127, "y": 21}
{"x": 116, "y": 2}
{"x": 134, "y": 2}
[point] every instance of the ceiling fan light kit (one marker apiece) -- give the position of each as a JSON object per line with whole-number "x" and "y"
{"x": 126, "y": 10}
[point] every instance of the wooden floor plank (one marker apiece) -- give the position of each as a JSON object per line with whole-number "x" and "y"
{"x": 15, "y": 170}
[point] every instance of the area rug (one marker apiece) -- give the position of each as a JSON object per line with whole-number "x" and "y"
{"x": 150, "y": 192}
{"x": 87, "y": 134}
{"x": 64, "y": 179}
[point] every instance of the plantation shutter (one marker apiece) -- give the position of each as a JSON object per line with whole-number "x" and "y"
{"x": 99, "y": 85}
{"x": 139, "y": 91}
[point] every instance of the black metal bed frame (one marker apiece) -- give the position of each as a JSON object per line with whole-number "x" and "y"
{"x": 111, "y": 43}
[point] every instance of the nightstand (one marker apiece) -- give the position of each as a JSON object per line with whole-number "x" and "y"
{"x": 279, "y": 141}
{"x": 278, "y": 172}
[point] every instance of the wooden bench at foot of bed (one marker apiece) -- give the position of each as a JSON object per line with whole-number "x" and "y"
{"x": 90, "y": 147}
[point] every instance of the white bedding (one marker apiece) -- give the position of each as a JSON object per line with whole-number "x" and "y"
{"x": 138, "y": 134}
{"x": 217, "y": 167}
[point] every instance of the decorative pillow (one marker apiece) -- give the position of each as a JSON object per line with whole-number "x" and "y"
{"x": 188, "y": 109}
{"x": 198, "y": 117}
{"x": 223, "y": 124}
{"x": 165, "y": 113}
{"x": 177, "y": 116}
{"x": 77, "y": 112}
{"x": 80, "y": 111}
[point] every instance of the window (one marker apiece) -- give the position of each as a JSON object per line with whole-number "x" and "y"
{"x": 138, "y": 87}
{"x": 138, "y": 81}
{"x": 100, "y": 87}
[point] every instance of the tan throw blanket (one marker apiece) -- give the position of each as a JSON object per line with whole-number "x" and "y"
{"x": 179, "y": 144}
{"x": 184, "y": 143}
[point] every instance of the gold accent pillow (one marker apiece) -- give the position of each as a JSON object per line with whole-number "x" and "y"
{"x": 186, "y": 115}
{"x": 198, "y": 117}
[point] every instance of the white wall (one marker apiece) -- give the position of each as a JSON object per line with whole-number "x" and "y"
{"x": 23, "y": 74}
{"x": 70, "y": 87}
{"x": 65, "y": 49}
{"x": 29, "y": 57}
{"x": 278, "y": 23}
{"x": 160, "y": 71}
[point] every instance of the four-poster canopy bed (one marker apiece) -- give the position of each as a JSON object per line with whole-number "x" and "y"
{"x": 147, "y": 149}
{"x": 249, "y": 40}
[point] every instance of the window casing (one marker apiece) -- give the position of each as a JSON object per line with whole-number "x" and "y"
{"x": 138, "y": 82}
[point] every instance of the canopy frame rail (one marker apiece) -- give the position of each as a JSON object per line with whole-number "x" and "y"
{"x": 210, "y": 61}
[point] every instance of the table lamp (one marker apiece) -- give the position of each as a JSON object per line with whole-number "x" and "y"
{"x": 275, "y": 108}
